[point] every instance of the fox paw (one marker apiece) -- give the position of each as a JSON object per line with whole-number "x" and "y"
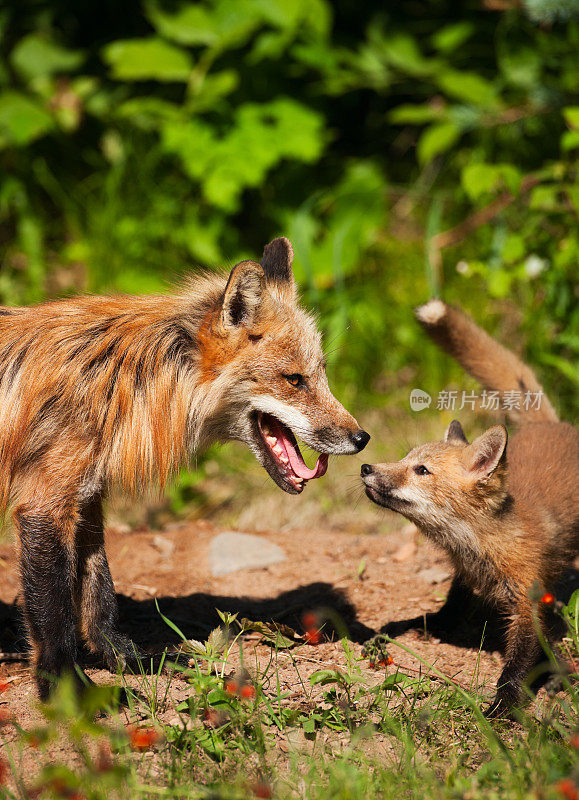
{"x": 503, "y": 706}
{"x": 118, "y": 652}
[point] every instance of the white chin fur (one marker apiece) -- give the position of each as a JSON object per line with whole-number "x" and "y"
{"x": 432, "y": 312}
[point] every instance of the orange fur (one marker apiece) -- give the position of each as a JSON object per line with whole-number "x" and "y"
{"x": 96, "y": 391}
{"x": 507, "y": 515}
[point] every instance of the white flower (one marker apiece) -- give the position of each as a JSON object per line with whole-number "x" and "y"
{"x": 535, "y": 265}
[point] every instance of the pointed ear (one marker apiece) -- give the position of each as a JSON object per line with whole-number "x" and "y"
{"x": 483, "y": 456}
{"x": 277, "y": 262}
{"x": 243, "y": 295}
{"x": 455, "y": 434}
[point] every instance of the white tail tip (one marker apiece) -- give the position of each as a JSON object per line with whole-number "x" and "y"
{"x": 432, "y": 312}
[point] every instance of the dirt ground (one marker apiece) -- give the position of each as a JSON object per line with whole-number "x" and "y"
{"x": 368, "y": 579}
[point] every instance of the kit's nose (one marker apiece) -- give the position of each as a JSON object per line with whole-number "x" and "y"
{"x": 366, "y": 469}
{"x": 360, "y": 440}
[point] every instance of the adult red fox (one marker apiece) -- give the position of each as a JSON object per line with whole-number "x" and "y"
{"x": 507, "y": 515}
{"x": 97, "y": 391}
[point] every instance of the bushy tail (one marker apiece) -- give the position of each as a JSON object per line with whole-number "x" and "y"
{"x": 489, "y": 362}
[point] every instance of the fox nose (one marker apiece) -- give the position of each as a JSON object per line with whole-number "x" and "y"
{"x": 366, "y": 469}
{"x": 360, "y": 440}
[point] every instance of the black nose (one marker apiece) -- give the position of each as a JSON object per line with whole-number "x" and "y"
{"x": 366, "y": 469}
{"x": 360, "y": 439}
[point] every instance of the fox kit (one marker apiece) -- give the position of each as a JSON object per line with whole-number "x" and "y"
{"x": 506, "y": 514}
{"x": 97, "y": 391}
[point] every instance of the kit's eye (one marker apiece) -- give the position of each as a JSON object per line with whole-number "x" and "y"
{"x": 295, "y": 379}
{"x": 421, "y": 470}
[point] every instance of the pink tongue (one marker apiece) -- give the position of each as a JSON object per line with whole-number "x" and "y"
{"x": 298, "y": 464}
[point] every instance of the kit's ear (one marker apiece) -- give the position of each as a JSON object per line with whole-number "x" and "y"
{"x": 277, "y": 263}
{"x": 455, "y": 434}
{"x": 484, "y": 455}
{"x": 243, "y": 295}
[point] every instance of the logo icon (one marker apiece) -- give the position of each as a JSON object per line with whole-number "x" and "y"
{"x": 419, "y": 400}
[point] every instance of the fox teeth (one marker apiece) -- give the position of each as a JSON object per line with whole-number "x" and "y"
{"x": 277, "y": 449}
{"x": 283, "y": 458}
{"x": 270, "y": 439}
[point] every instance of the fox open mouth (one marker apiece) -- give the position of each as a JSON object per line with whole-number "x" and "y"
{"x": 283, "y": 454}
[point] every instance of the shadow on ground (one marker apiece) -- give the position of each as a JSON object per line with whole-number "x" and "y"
{"x": 482, "y": 626}
{"x": 196, "y": 614}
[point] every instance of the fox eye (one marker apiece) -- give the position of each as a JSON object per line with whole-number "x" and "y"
{"x": 295, "y": 379}
{"x": 421, "y": 470}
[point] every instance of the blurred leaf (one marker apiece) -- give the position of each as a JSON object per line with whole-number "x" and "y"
{"x": 36, "y": 56}
{"x": 261, "y": 136}
{"x": 545, "y": 197}
{"x": 563, "y": 366}
{"x": 571, "y": 114}
{"x": 415, "y": 115}
{"x": 191, "y": 24}
{"x": 213, "y": 88}
{"x": 452, "y": 36}
{"x": 480, "y": 179}
{"x": 436, "y": 140}
{"x": 148, "y": 112}
{"x": 469, "y": 87}
{"x": 354, "y": 216}
{"x": 570, "y": 140}
{"x": 147, "y": 59}
{"x": 224, "y": 25}
{"x": 402, "y": 51}
{"x": 143, "y": 281}
{"x": 521, "y": 66}
{"x": 499, "y": 282}
{"x": 21, "y": 119}
{"x": 514, "y": 248}
{"x": 288, "y": 14}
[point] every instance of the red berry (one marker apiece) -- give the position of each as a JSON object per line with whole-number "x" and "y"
{"x": 568, "y": 789}
{"x": 142, "y": 738}
{"x": 247, "y": 692}
{"x": 309, "y": 620}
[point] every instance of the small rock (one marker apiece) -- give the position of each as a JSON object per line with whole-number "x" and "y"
{"x": 434, "y": 574}
{"x": 230, "y": 551}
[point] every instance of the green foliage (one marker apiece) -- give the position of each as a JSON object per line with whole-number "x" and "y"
{"x": 171, "y": 135}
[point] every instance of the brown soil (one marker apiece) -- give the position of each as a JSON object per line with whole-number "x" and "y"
{"x": 368, "y": 579}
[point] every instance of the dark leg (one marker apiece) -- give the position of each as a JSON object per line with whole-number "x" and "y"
{"x": 95, "y": 593}
{"x": 522, "y": 655}
{"x": 47, "y": 563}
